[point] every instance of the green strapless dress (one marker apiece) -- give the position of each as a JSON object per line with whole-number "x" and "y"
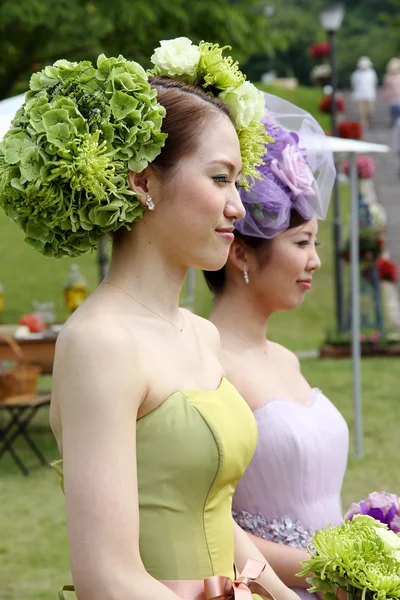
{"x": 191, "y": 451}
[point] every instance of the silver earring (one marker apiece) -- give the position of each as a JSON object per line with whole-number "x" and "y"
{"x": 246, "y": 275}
{"x": 149, "y": 202}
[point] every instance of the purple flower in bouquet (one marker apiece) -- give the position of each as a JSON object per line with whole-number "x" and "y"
{"x": 381, "y": 506}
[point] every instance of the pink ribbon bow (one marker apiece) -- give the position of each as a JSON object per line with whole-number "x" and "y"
{"x": 223, "y": 588}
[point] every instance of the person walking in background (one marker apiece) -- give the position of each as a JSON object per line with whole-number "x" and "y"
{"x": 364, "y": 81}
{"x": 391, "y": 89}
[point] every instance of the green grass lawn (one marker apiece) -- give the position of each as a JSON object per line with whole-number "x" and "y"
{"x": 33, "y": 541}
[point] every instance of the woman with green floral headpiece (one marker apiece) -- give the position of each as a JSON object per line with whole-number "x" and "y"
{"x": 153, "y": 438}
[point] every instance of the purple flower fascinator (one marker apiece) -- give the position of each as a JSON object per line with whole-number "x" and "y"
{"x": 298, "y": 172}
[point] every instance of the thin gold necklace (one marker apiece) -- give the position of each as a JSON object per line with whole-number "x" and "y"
{"x": 180, "y": 329}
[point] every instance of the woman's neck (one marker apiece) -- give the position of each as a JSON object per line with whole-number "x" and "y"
{"x": 236, "y": 314}
{"x": 144, "y": 271}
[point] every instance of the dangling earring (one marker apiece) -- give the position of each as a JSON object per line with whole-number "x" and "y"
{"x": 246, "y": 275}
{"x": 149, "y": 202}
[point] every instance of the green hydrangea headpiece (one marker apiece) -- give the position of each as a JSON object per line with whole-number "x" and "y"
{"x": 64, "y": 162}
{"x": 205, "y": 66}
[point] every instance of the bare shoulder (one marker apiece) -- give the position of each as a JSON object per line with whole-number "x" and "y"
{"x": 99, "y": 337}
{"x": 94, "y": 333}
{"x": 96, "y": 351}
{"x": 284, "y": 353}
{"x": 206, "y": 330}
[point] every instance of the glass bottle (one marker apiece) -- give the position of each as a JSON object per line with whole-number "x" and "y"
{"x": 75, "y": 289}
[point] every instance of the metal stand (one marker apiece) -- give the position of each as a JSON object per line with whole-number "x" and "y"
{"x": 337, "y": 225}
{"x": 355, "y": 307}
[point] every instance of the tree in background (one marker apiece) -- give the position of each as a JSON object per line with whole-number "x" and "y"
{"x": 297, "y": 23}
{"x": 35, "y": 33}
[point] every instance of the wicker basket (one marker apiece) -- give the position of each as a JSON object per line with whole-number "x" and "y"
{"x": 20, "y": 379}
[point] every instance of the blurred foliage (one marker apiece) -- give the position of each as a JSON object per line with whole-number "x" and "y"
{"x": 34, "y": 33}
{"x": 370, "y": 27}
{"x": 264, "y": 34}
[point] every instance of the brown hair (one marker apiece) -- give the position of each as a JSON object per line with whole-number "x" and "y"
{"x": 262, "y": 248}
{"x": 188, "y": 109}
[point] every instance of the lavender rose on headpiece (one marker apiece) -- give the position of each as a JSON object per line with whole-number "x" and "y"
{"x": 294, "y": 172}
{"x": 287, "y": 184}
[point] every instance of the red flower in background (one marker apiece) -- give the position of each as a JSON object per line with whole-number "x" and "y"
{"x": 365, "y": 167}
{"x": 388, "y": 270}
{"x": 35, "y": 66}
{"x": 350, "y": 130}
{"x": 320, "y": 50}
{"x": 325, "y": 104}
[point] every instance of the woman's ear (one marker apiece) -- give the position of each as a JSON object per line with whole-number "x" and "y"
{"x": 238, "y": 255}
{"x": 138, "y": 182}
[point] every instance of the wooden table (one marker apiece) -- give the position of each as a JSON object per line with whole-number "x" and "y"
{"x": 38, "y": 351}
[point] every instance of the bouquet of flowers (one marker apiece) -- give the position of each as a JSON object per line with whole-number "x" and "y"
{"x": 361, "y": 557}
{"x": 381, "y": 506}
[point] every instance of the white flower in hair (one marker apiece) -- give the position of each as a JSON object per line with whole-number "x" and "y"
{"x": 176, "y": 57}
{"x": 246, "y": 104}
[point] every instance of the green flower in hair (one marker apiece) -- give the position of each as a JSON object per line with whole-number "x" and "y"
{"x": 219, "y": 75}
{"x": 216, "y": 70}
{"x": 176, "y": 58}
{"x": 252, "y": 139}
{"x": 64, "y": 162}
{"x": 246, "y": 104}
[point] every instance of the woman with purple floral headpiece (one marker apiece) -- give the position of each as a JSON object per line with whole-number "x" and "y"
{"x": 292, "y": 486}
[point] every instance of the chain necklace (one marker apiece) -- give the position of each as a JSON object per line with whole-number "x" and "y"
{"x": 179, "y": 328}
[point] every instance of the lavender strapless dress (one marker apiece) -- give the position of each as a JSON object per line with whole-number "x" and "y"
{"x": 293, "y": 483}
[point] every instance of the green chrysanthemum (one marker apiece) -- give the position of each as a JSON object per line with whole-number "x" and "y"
{"x": 353, "y": 557}
{"x": 64, "y": 162}
{"x": 253, "y": 139}
{"x": 221, "y": 77}
{"x": 216, "y": 70}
